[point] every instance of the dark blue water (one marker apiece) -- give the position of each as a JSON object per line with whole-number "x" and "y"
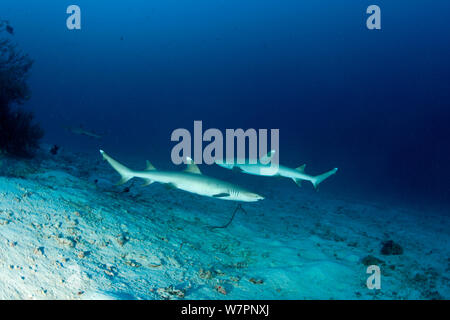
{"x": 373, "y": 103}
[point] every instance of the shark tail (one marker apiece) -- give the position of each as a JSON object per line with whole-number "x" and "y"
{"x": 125, "y": 173}
{"x": 318, "y": 179}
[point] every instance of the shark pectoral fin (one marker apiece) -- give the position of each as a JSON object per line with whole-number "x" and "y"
{"x": 122, "y": 181}
{"x": 170, "y": 186}
{"x": 298, "y": 182}
{"x": 192, "y": 167}
{"x": 237, "y": 169}
{"x": 221, "y": 195}
{"x": 301, "y": 168}
{"x": 147, "y": 182}
{"x": 149, "y": 166}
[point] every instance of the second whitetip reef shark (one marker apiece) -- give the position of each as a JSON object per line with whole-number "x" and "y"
{"x": 82, "y": 132}
{"x": 264, "y": 168}
{"x": 190, "y": 180}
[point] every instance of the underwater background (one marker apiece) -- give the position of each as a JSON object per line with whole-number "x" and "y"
{"x": 374, "y": 103}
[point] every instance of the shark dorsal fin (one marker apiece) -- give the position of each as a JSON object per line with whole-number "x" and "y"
{"x": 149, "y": 166}
{"x": 191, "y": 166}
{"x": 301, "y": 168}
{"x": 267, "y": 157}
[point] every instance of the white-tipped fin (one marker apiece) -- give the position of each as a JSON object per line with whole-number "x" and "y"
{"x": 302, "y": 170}
{"x": 191, "y": 166}
{"x": 125, "y": 173}
{"x": 149, "y": 166}
{"x": 318, "y": 179}
{"x": 147, "y": 182}
{"x": 298, "y": 181}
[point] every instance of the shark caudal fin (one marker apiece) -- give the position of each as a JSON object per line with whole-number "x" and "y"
{"x": 124, "y": 172}
{"x": 318, "y": 179}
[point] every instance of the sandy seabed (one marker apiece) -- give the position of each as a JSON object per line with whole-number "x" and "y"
{"x": 67, "y": 232}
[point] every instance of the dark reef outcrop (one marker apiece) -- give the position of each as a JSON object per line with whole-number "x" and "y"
{"x": 19, "y": 134}
{"x": 391, "y": 248}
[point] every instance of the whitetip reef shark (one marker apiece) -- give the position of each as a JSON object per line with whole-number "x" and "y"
{"x": 82, "y": 132}
{"x": 265, "y": 168}
{"x": 190, "y": 180}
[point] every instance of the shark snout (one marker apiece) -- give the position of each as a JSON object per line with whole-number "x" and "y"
{"x": 253, "y": 197}
{"x": 259, "y": 197}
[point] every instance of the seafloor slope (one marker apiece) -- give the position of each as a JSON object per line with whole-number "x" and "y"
{"x": 67, "y": 233}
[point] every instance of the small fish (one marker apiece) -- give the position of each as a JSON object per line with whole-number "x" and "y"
{"x": 54, "y": 150}
{"x": 10, "y": 29}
